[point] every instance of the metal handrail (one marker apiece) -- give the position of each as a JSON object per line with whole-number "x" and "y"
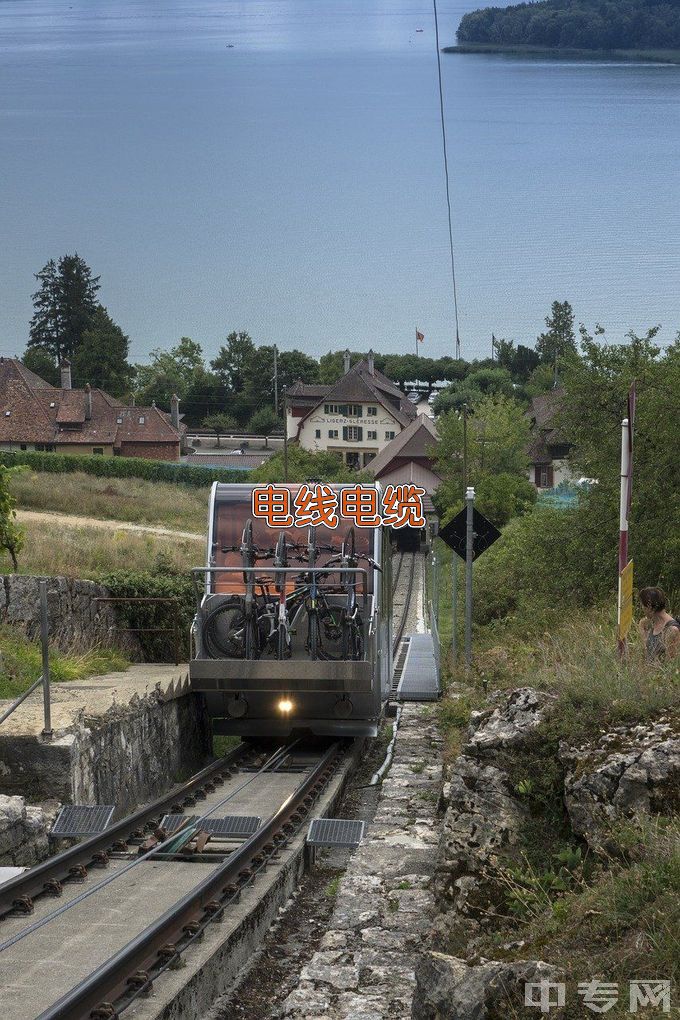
{"x": 20, "y": 699}
{"x": 196, "y": 571}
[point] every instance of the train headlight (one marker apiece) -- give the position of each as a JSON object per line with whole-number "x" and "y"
{"x": 285, "y": 706}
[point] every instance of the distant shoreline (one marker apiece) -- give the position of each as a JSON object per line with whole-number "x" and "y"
{"x": 646, "y": 56}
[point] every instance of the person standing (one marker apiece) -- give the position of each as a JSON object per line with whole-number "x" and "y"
{"x": 659, "y": 630}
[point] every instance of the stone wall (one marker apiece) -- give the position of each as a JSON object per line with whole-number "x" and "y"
{"x": 23, "y": 832}
{"x": 75, "y": 618}
{"x": 132, "y": 753}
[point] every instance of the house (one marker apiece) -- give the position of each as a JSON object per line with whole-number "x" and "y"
{"x": 548, "y": 450}
{"x": 44, "y": 418}
{"x": 356, "y": 417}
{"x": 409, "y": 459}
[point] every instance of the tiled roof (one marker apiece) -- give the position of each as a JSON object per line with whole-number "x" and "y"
{"x": 415, "y": 441}
{"x": 307, "y": 391}
{"x": 35, "y": 412}
{"x": 543, "y": 409}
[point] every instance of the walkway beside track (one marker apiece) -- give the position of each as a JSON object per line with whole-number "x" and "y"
{"x": 365, "y": 966}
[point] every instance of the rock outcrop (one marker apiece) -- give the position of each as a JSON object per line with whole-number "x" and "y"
{"x": 448, "y": 988}
{"x": 23, "y": 831}
{"x": 630, "y": 772}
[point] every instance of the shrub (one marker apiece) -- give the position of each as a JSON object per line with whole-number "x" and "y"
{"x": 123, "y": 467}
{"x": 161, "y": 583}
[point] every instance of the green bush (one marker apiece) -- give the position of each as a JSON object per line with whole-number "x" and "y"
{"x": 161, "y": 583}
{"x": 123, "y": 467}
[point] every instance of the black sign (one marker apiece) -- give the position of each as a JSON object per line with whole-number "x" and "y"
{"x": 484, "y": 533}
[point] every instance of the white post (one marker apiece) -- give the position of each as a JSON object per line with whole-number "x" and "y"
{"x": 469, "y": 540}
{"x": 623, "y": 519}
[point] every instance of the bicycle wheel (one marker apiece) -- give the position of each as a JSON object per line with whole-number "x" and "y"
{"x": 224, "y": 630}
{"x": 348, "y": 547}
{"x": 352, "y": 640}
{"x": 314, "y": 637}
{"x": 252, "y": 645}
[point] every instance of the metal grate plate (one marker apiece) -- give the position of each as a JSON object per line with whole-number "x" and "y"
{"x": 419, "y": 679}
{"x": 336, "y": 832}
{"x": 229, "y": 827}
{"x": 82, "y": 819}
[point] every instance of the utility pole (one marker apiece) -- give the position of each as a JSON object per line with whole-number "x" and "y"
{"x": 465, "y": 457}
{"x": 469, "y": 539}
{"x": 276, "y": 379}
{"x": 493, "y": 346}
{"x": 285, "y": 438}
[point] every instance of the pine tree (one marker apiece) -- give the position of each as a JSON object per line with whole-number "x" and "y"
{"x": 559, "y": 339}
{"x": 101, "y": 358}
{"x": 64, "y": 306}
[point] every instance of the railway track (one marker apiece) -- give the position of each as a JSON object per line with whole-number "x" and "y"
{"x": 112, "y": 937}
{"x": 403, "y": 595}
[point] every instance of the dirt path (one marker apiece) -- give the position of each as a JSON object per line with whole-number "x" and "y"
{"x": 69, "y": 521}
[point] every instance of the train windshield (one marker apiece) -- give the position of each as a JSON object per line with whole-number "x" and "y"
{"x": 232, "y": 511}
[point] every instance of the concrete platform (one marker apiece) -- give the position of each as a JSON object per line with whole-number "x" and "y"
{"x": 119, "y": 738}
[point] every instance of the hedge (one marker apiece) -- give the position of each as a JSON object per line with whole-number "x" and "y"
{"x": 142, "y": 584}
{"x": 124, "y": 467}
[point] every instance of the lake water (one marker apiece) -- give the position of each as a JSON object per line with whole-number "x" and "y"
{"x": 275, "y": 166}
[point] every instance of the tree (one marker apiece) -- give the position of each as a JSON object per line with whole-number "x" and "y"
{"x": 265, "y": 422}
{"x": 305, "y": 466}
{"x": 491, "y": 380}
{"x": 456, "y": 397}
{"x": 219, "y": 424}
{"x": 101, "y": 359}
{"x": 43, "y": 364}
{"x": 559, "y": 341}
{"x": 497, "y": 441}
{"x": 64, "y": 305}
{"x": 169, "y": 372}
{"x": 232, "y": 359}
{"x": 294, "y": 365}
{"x": 11, "y": 535}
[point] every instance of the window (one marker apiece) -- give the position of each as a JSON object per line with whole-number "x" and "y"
{"x": 119, "y": 421}
{"x": 7, "y": 414}
{"x": 332, "y": 408}
{"x": 52, "y": 403}
{"x": 352, "y": 433}
{"x": 332, "y": 433}
{"x": 389, "y": 435}
{"x": 317, "y": 434}
{"x": 372, "y": 412}
{"x": 543, "y": 476}
{"x": 98, "y": 450}
{"x": 371, "y": 435}
{"x": 23, "y": 446}
{"x": 354, "y": 410}
{"x": 142, "y": 419}
{"x": 45, "y": 447}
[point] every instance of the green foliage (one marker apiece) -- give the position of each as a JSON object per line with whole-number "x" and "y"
{"x": 559, "y": 340}
{"x": 491, "y": 380}
{"x": 220, "y": 423}
{"x": 504, "y": 496}
{"x": 21, "y": 663}
{"x": 64, "y": 307}
{"x": 455, "y": 398}
{"x": 123, "y": 467}
{"x": 541, "y": 380}
{"x": 497, "y": 440}
{"x": 11, "y": 535}
{"x": 43, "y": 364}
{"x": 305, "y": 466}
{"x": 520, "y": 361}
{"x": 164, "y": 584}
{"x": 582, "y": 24}
{"x": 264, "y": 422}
{"x": 169, "y": 372}
{"x": 101, "y": 358}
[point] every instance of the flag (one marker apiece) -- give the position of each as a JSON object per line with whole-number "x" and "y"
{"x": 420, "y": 336}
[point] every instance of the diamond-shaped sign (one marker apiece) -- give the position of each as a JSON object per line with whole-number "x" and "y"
{"x": 484, "y": 533}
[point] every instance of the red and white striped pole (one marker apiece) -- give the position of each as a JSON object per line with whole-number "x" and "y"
{"x": 623, "y": 519}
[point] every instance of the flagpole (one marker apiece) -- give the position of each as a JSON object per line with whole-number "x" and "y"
{"x": 416, "y": 342}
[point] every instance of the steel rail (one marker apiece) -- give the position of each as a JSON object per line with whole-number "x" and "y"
{"x": 395, "y": 580}
{"x": 131, "y": 971}
{"x": 72, "y": 864}
{"x": 407, "y": 603}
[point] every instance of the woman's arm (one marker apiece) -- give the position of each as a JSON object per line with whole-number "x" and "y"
{"x": 672, "y": 641}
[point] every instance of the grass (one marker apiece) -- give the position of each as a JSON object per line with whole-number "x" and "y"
{"x": 21, "y": 663}
{"x": 121, "y": 499}
{"x": 621, "y": 926}
{"x": 89, "y": 552}
{"x": 223, "y": 744}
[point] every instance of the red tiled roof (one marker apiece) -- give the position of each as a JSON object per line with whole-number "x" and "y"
{"x": 35, "y": 412}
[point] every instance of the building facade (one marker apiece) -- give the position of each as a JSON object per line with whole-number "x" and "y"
{"x": 355, "y": 418}
{"x": 548, "y": 451}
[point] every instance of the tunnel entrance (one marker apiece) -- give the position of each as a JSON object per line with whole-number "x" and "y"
{"x": 408, "y": 539}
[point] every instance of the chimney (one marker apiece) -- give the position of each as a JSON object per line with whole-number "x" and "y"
{"x": 346, "y": 361}
{"x": 88, "y": 402}
{"x": 174, "y": 411}
{"x": 65, "y": 374}
{"x": 371, "y": 363}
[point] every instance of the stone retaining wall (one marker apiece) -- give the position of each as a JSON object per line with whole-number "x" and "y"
{"x": 75, "y": 618}
{"x": 132, "y": 753}
{"x": 23, "y": 832}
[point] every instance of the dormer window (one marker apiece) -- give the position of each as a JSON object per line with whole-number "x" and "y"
{"x": 7, "y": 414}
{"x": 52, "y": 404}
{"x": 142, "y": 419}
{"x": 119, "y": 421}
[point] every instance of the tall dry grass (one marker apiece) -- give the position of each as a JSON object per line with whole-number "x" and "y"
{"x": 121, "y": 499}
{"x": 89, "y": 552}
